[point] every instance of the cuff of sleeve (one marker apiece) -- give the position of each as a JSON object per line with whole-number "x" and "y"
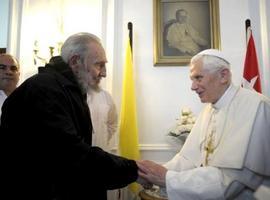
{"x": 198, "y": 183}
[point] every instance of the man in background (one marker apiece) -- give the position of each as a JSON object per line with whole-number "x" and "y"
{"x": 103, "y": 116}
{"x": 226, "y": 155}
{"x": 9, "y": 76}
{"x": 103, "y": 113}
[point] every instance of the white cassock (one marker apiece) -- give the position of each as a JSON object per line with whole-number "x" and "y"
{"x": 239, "y": 161}
{"x": 105, "y": 123}
{"x": 104, "y": 118}
{"x": 3, "y": 97}
{"x": 185, "y": 38}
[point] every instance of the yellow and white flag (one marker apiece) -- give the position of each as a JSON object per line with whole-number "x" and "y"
{"x": 128, "y": 130}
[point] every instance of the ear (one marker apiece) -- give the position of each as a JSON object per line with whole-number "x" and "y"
{"x": 225, "y": 75}
{"x": 74, "y": 62}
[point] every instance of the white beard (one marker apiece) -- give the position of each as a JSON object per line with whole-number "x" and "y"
{"x": 83, "y": 78}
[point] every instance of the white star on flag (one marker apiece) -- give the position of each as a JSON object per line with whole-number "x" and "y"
{"x": 249, "y": 84}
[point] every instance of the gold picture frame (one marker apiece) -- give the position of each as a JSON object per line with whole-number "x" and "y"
{"x": 182, "y": 28}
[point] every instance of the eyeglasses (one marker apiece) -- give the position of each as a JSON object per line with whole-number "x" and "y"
{"x": 12, "y": 68}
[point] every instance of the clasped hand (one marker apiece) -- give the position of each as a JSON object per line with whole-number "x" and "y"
{"x": 151, "y": 173}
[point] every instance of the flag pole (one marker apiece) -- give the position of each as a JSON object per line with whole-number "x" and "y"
{"x": 248, "y": 26}
{"x": 130, "y": 29}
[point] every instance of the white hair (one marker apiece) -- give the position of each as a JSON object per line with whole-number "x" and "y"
{"x": 78, "y": 44}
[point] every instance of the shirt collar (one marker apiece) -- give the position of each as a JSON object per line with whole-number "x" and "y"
{"x": 2, "y": 93}
{"x": 226, "y": 97}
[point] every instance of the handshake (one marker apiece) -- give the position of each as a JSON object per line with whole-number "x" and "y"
{"x": 151, "y": 173}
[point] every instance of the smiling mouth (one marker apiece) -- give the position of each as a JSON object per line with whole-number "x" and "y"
{"x": 200, "y": 94}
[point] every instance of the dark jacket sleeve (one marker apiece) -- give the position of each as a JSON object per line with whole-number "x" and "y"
{"x": 110, "y": 170}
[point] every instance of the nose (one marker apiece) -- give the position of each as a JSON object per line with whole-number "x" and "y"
{"x": 103, "y": 72}
{"x": 194, "y": 86}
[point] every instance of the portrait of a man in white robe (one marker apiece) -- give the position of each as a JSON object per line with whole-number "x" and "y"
{"x": 186, "y": 28}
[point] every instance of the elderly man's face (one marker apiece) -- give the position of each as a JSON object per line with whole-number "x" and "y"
{"x": 208, "y": 85}
{"x": 9, "y": 73}
{"x": 93, "y": 68}
{"x": 96, "y": 65}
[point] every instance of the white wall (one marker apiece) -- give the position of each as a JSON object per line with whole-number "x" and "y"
{"x": 160, "y": 91}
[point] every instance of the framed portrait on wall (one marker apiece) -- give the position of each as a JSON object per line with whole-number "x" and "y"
{"x": 182, "y": 28}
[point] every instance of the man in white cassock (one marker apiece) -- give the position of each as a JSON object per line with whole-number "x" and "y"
{"x": 226, "y": 155}
{"x": 103, "y": 116}
{"x": 183, "y": 36}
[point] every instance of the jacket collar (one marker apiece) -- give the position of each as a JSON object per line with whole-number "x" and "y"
{"x": 57, "y": 65}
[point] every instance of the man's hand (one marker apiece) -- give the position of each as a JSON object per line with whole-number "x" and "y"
{"x": 152, "y": 172}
